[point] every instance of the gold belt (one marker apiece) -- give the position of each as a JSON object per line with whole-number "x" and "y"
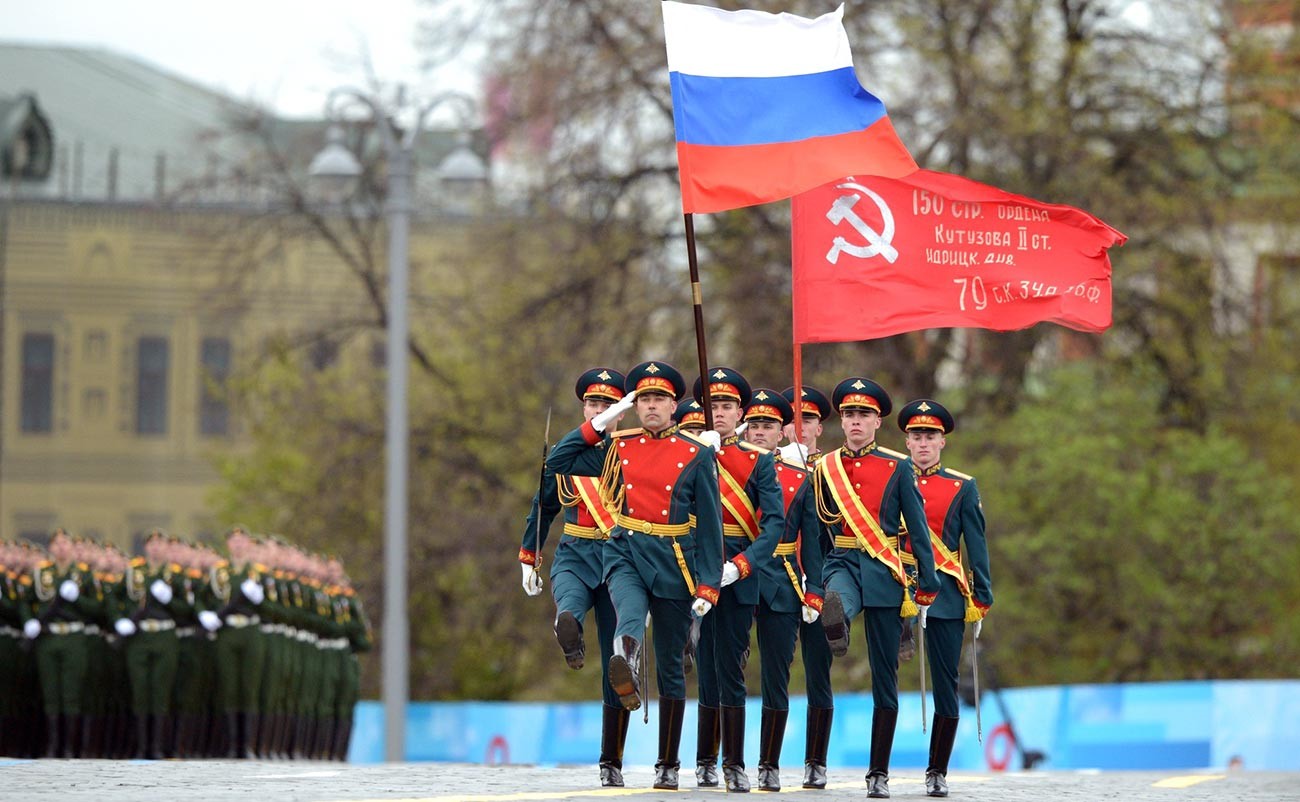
{"x": 650, "y": 528}
{"x": 239, "y": 621}
{"x": 157, "y": 625}
{"x": 850, "y": 542}
{"x": 584, "y": 532}
{"x": 734, "y": 530}
{"x": 66, "y": 628}
{"x": 784, "y": 548}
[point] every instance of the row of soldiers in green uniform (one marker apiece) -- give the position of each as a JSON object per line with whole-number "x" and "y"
{"x": 178, "y": 652}
{"x": 713, "y": 533}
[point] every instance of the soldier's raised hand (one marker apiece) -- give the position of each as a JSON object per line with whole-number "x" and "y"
{"x": 125, "y": 627}
{"x": 161, "y": 591}
{"x": 809, "y": 614}
{"x": 69, "y": 590}
{"x": 730, "y": 573}
{"x": 532, "y": 580}
{"x": 252, "y": 591}
{"x": 611, "y": 413}
{"x": 712, "y": 439}
{"x": 32, "y": 629}
{"x": 924, "y": 609}
{"x": 701, "y": 607}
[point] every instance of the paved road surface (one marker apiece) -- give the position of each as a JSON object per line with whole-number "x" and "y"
{"x": 75, "y": 780}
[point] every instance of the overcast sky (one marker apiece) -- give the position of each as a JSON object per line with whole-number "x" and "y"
{"x": 286, "y": 54}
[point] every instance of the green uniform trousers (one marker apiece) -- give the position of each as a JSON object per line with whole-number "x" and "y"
{"x": 61, "y": 668}
{"x": 943, "y": 639}
{"x": 151, "y": 659}
{"x": 241, "y": 653}
{"x": 776, "y": 636}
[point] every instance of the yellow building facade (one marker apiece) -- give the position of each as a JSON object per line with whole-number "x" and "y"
{"x": 121, "y": 326}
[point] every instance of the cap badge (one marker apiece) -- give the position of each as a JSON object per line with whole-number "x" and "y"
{"x": 719, "y": 374}
{"x": 603, "y": 375}
{"x": 652, "y": 369}
{"x": 924, "y": 407}
{"x": 762, "y": 396}
{"x": 858, "y": 385}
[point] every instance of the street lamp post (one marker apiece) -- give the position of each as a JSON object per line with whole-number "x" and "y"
{"x": 336, "y": 163}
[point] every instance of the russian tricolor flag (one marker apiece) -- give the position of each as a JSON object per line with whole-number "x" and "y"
{"x": 767, "y": 106}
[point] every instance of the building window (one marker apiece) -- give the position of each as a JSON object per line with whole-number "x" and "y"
{"x": 151, "y": 386}
{"x": 214, "y": 410}
{"x": 38, "y": 383}
{"x": 94, "y": 403}
{"x": 96, "y": 345}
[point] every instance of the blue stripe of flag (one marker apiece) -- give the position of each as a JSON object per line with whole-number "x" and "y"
{"x": 762, "y": 111}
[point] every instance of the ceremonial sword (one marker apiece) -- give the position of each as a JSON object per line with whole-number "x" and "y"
{"x": 920, "y": 637}
{"x": 541, "y": 484}
{"x": 975, "y": 672}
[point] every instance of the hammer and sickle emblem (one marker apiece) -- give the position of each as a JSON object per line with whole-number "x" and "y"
{"x": 876, "y": 243}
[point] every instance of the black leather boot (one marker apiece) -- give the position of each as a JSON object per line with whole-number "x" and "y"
{"x": 156, "y": 733}
{"x": 906, "y": 642}
{"x": 142, "y": 737}
{"x": 814, "y": 753}
{"x": 708, "y": 738}
{"x": 72, "y": 736}
{"x": 771, "y": 735}
{"x": 836, "y": 627}
{"x": 942, "y": 735}
{"x": 233, "y": 751}
{"x": 52, "y": 724}
{"x": 671, "y": 713}
{"x": 733, "y": 749}
{"x": 623, "y": 668}
{"x": 882, "y": 744}
{"x": 343, "y": 736}
{"x": 613, "y": 734}
{"x": 569, "y": 633}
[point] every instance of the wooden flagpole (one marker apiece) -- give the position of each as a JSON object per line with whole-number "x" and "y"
{"x": 697, "y": 298}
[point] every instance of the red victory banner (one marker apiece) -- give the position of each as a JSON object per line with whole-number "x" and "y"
{"x": 877, "y": 256}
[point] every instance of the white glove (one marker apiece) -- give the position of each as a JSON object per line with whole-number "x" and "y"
{"x": 125, "y": 627}
{"x": 69, "y": 590}
{"x": 730, "y": 573}
{"x": 711, "y": 439}
{"x": 252, "y": 590}
{"x": 809, "y": 614}
{"x": 924, "y": 608}
{"x": 532, "y": 580}
{"x": 978, "y": 626}
{"x": 31, "y": 629}
{"x": 601, "y": 420}
{"x": 161, "y": 591}
{"x": 741, "y": 428}
{"x": 210, "y": 620}
{"x": 794, "y": 453}
{"x": 701, "y": 607}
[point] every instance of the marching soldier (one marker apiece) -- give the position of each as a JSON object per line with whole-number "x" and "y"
{"x": 11, "y": 624}
{"x": 152, "y": 650}
{"x": 784, "y": 599}
{"x": 863, "y": 493}
{"x": 357, "y": 631}
{"x": 577, "y": 573}
{"x": 753, "y": 518}
{"x": 690, "y": 416}
{"x": 956, "y": 519}
{"x": 657, "y": 559}
{"x": 814, "y": 408}
{"x": 54, "y": 618}
{"x": 240, "y": 650}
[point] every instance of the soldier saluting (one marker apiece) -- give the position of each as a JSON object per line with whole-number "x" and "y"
{"x": 664, "y": 555}
{"x": 577, "y": 572}
{"x": 864, "y": 492}
{"x": 956, "y": 518}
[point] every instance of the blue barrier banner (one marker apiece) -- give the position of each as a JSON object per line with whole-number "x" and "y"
{"x": 1172, "y": 725}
